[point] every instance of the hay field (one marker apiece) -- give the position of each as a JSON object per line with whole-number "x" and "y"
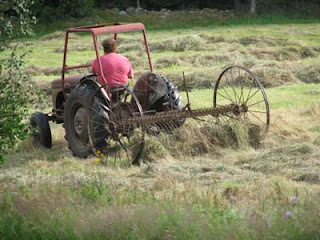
{"x": 233, "y": 191}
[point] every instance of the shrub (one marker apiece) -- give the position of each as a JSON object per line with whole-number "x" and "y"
{"x": 16, "y": 95}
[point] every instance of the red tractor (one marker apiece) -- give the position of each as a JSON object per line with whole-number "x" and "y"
{"x": 95, "y": 124}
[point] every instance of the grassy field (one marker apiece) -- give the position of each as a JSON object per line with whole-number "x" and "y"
{"x": 192, "y": 189}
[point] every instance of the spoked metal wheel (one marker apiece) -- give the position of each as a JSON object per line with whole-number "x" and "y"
{"x": 113, "y": 138}
{"x": 239, "y": 86}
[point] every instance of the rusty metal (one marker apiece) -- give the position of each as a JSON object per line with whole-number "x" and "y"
{"x": 188, "y": 106}
{"x": 64, "y": 63}
{"x": 240, "y": 76}
{"x": 177, "y": 115}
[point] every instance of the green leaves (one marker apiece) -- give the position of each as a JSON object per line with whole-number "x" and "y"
{"x": 17, "y": 93}
{"x": 16, "y": 89}
{"x": 15, "y": 19}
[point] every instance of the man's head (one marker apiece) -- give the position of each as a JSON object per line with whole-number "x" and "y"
{"x": 109, "y": 45}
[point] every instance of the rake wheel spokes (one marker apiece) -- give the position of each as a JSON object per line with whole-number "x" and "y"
{"x": 237, "y": 85}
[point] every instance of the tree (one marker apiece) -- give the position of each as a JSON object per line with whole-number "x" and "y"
{"x": 16, "y": 19}
{"x": 253, "y": 6}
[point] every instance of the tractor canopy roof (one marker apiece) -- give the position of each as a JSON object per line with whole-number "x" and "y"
{"x": 109, "y": 28}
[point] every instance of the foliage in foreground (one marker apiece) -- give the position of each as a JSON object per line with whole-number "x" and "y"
{"x": 16, "y": 90}
{"x": 95, "y": 210}
{"x": 15, "y": 19}
{"x": 16, "y": 93}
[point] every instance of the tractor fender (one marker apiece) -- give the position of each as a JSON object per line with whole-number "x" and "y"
{"x": 91, "y": 80}
{"x": 149, "y": 88}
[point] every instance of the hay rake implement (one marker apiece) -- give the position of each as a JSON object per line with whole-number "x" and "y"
{"x": 114, "y": 123}
{"x": 238, "y": 98}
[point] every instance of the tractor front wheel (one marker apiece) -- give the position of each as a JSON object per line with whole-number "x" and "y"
{"x": 40, "y": 130}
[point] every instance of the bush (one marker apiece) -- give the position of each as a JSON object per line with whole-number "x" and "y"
{"x": 15, "y": 86}
{"x": 16, "y": 95}
{"x": 15, "y": 19}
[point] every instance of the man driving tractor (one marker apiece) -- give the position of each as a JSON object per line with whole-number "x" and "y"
{"x": 116, "y": 68}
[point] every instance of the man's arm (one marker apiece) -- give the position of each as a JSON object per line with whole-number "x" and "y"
{"x": 130, "y": 73}
{"x": 93, "y": 66}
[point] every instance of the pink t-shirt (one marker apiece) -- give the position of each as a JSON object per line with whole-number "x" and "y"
{"x": 116, "y": 69}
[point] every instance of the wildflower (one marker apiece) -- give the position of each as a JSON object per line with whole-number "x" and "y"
{"x": 288, "y": 214}
{"x": 294, "y": 199}
{"x": 97, "y": 160}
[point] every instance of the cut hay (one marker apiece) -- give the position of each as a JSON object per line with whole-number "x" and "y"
{"x": 75, "y": 48}
{"x": 272, "y": 76}
{"x": 55, "y": 35}
{"x": 196, "y": 79}
{"x": 179, "y": 44}
{"x": 195, "y": 60}
{"x": 308, "y": 73}
{"x": 213, "y": 38}
{"x": 196, "y": 138}
{"x": 34, "y": 70}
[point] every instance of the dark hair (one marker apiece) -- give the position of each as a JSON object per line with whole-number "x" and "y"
{"x": 109, "y": 45}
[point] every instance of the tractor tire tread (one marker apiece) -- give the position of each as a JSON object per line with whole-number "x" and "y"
{"x": 41, "y": 121}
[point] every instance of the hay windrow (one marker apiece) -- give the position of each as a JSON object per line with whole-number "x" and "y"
{"x": 196, "y": 79}
{"x": 75, "y": 48}
{"x": 274, "y": 76}
{"x": 179, "y": 44}
{"x": 131, "y": 46}
{"x": 196, "y": 138}
{"x": 34, "y": 70}
{"x": 195, "y": 60}
{"x": 308, "y": 73}
{"x": 54, "y": 36}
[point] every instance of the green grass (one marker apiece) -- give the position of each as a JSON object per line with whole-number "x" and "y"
{"x": 279, "y": 54}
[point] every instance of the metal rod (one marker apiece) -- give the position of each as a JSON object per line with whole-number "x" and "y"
{"x": 185, "y": 86}
{"x": 178, "y": 114}
{"x": 64, "y": 62}
{"x": 147, "y": 49}
{"x": 95, "y": 42}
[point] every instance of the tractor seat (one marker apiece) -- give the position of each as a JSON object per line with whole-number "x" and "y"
{"x": 116, "y": 93}
{"x": 70, "y": 82}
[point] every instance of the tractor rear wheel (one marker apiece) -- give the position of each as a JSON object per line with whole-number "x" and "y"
{"x": 77, "y": 107}
{"x": 171, "y": 101}
{"x": 40, "y": 130}
{"x": 119, "y": 141}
